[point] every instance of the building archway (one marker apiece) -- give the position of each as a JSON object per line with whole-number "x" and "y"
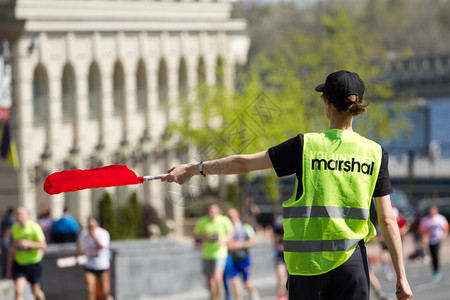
{"x": 118, "y": 90}
{"x": 40, "y": 96}
{"x": 94, "y": 92}
{"x": 68, "y": 95}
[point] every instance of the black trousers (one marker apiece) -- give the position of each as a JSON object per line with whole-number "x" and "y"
{"x": 434, "y": 252}
{"x": 350, "y": 281}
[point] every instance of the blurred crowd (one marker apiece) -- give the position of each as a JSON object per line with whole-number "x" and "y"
{"x": 225, "y": 240}
{"x": 60, "y": 230}
{"x": 24, "y": 242}
{"x": 427, "y": 232}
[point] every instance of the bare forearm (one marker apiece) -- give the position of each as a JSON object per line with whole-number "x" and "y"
{"x": 228, "y": 237}
{"x": 39, "y": 245}
{"x": 97, "y": 242}
{"x": 249, "y": 243}
{"x": 234, "y": 164}
{"x": 26, "y": 244}
{"x": 391, "y": 234}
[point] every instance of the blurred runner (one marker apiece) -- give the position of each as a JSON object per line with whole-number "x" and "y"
{"x": 376, "y": 286}
{"x": 65, "y": 229}
{"x": 238, "y": 262}
{"x": 94, "y": 243}
{"x": 434, "y": 228}
{"x": 419, "y": 252}
{"x": 25, "y": 255}
{"x": 212, "y": 233}
{"x": 6, "y": 224}
{"x": 280, "y": 264}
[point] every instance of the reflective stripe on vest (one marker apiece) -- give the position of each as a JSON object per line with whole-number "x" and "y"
{"x": 318, "y": 246}
{"x": 325, "y": 212}
{"x": 323, "y": 227}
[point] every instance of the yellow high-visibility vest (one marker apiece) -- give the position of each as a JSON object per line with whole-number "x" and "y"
{"x": 323, "y": 227}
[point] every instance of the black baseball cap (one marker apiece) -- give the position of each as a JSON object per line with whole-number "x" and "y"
{"x": 341, "y": 84}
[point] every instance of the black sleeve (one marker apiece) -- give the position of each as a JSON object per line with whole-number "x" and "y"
{"x": 287, "y": 157}
{"x": 383, "y": 186}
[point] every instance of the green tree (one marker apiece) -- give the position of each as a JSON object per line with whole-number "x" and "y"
{"x": 274, "y": 98}
{"x": 337, "y": 43}
{"x": 107, "y": 216}
{"x": 402, "y": 26}
{"x": 130, "y": 219}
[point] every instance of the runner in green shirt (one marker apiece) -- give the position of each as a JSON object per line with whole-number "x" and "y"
{"x": 25, "y": 255}
{"x": 214, "y": 231}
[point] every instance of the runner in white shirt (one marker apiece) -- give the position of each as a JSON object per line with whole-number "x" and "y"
{"x": 94, "y": 243}
{"x": 434, "y": 228}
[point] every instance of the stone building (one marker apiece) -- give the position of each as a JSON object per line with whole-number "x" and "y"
{"x": 96, "y": 82}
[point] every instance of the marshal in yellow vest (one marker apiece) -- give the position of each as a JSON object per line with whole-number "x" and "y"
{"x": 323, "y": 227}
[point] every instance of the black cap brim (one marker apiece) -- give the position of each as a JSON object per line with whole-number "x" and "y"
{"x": 320, "y": 87}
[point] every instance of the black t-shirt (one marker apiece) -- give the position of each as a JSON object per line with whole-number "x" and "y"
{"x": 287, "y": 160}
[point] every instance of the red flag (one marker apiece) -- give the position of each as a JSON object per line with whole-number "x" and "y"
{"x": 75, "y": 180}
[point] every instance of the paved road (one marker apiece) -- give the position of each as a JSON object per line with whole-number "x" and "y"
{"x": 419, "y": 276}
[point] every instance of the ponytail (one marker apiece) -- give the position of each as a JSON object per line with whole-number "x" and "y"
{"x": 351, "y": 105}
{"x": 354, "y": 106}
